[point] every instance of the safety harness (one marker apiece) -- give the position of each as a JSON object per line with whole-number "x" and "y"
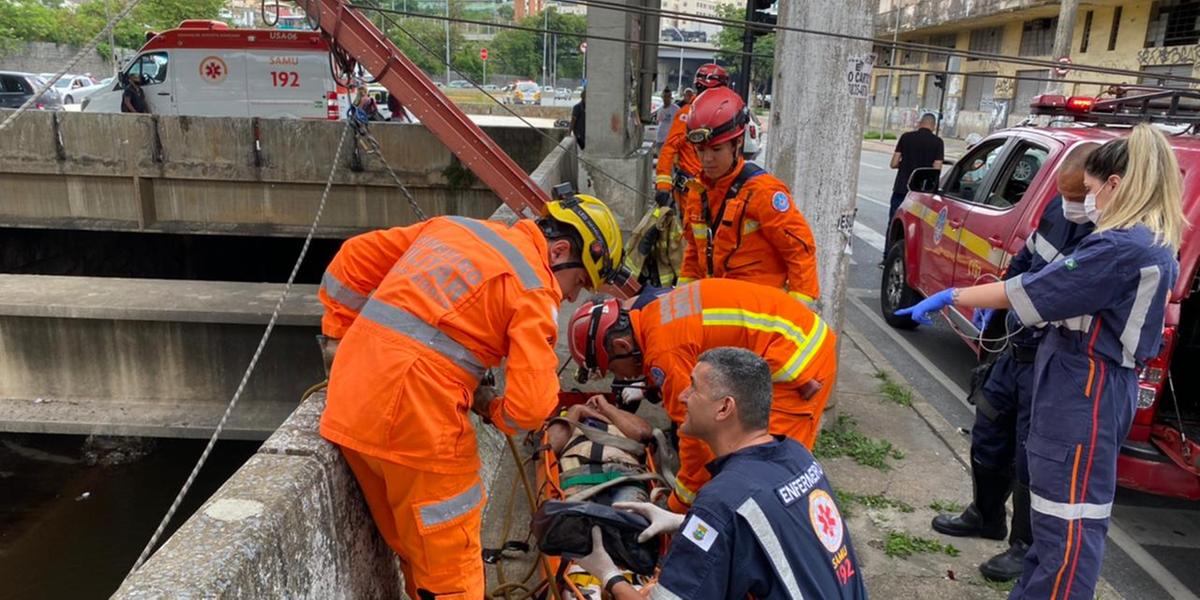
{"x": 749, "y": 171}
{"x": 592, "y": 469}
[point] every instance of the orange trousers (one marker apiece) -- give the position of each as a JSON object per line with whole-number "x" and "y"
{"x": 802, "y": 425}
{"x": 431, "y": 520}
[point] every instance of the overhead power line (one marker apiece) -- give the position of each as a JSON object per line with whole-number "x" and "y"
{"x": 742, "y": 24}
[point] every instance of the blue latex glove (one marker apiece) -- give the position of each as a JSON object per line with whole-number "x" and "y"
{"x": 980, "y": 318}
{"x": 920, "y": 311}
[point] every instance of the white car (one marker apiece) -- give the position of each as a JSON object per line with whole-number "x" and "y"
{"x": 562, "y": 94}
{"x": 78, "y": 95}
{"x": 68, "y": 83}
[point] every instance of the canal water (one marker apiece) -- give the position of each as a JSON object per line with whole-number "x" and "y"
{"x": 76, "y": 512}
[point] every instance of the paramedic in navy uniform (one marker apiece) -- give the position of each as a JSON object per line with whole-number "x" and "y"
{"x": 1105, "y": 304}
{"x": 767, "y": 525}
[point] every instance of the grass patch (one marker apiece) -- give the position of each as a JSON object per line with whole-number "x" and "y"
{"x": 901, "y": 544}
{"x": 844, "y": 439}
{"x": 849, "y": 500}
{"x": 896, "y": 392}
{"x": 1000, "y": 586}
{"x": 874, "y": 135}
{"x": 946, "y": 506}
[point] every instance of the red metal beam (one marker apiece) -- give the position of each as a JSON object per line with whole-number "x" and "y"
{"x": 358, "y": 37}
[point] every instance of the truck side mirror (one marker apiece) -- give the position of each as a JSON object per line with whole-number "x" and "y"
{"x": 926, "y": 180}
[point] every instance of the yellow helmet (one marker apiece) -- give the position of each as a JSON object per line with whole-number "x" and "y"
{"x": 599, "y": 234}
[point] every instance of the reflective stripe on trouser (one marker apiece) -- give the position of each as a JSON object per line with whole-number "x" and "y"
{"x": 1082, "y": 410}
{"x": 800, "y": 425}
{"x": 432, "y": 521}
{"x": 408, "y": 324}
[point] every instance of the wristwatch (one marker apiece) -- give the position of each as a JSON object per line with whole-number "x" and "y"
{"x": 612, "y": 581}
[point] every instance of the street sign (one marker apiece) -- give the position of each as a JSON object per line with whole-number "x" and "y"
{"x": 583, "y": 47}
{"x": 483, "y": 54}
{"x": 1064, "y": 68}
{"x": 858, "y": 74}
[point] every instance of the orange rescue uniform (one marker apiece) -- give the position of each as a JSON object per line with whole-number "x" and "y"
{"x": 676, "y": 148}
{"x": 422, "y": 311}
{"x": 799, "y": 346}
{"x": 757, "y": 235}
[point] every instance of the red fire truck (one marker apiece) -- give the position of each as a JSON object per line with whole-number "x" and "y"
{"x": 963, "y": 227}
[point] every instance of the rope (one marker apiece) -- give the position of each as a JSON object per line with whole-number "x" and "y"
{"x": 262, "y": 343}
{"x": 91, "y": 46}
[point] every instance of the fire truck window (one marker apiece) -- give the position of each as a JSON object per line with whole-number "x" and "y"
{"x": 1017, "y": 175}
{"x": 151, "y": 67}
{"x": 971, "y": 172}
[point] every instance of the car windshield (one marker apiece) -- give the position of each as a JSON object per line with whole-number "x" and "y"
{"x": 63, "y": 82}
{"x": 527, "y": 87}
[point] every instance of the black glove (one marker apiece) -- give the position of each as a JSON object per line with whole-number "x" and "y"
{"x": 647, "y": 243}
{"x": 662, "y": 198}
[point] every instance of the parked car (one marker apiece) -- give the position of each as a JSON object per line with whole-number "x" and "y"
{"x": 963, "y": 227}
{"x": 16, "y": 88}
{"x": 525, "y": 92}
{"x": 459, "y": 84}
{"x": 78, "y": 95}
{"x": 68, "y": 83}
{"x": 548, "y": 89}
{"x": 562, "y": 94}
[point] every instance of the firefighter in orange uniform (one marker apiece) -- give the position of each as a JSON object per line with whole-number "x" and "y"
{"x": 739, "y": 221}
{"x": 662, "y": 340}
{"x": 677, "y": 161}
{"x": 421, "y": 313}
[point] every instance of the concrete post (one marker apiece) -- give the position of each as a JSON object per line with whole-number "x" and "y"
{"x": 1063, "y": 36}
{"x": 621, "y": 175}
{"x": 817, "y": 130}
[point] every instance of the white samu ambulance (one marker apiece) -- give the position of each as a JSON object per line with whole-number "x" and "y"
{"x": 206, "y": 68}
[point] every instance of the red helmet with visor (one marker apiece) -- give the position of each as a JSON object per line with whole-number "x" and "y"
{"x": 717, "y": 116}
{"x": 711, "y": 76}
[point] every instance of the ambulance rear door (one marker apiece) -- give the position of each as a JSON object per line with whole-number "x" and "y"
{"x": 210, "y": 82}
{"x": 286, "y": 83}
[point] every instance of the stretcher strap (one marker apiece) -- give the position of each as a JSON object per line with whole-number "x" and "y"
{"x": 623, "y": 480}
{"x": 604, "y": 438}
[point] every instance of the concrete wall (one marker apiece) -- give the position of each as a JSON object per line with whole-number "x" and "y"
{"x": 44, "y": 57}
{"x": 204, "y": 175}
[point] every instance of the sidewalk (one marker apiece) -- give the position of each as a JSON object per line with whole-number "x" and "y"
{"x": 955, "y": 148}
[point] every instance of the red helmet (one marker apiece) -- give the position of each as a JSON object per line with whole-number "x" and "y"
{"x": 587, "y": 331}
{"x": 717, "y": 116}
{"x": 711, "y": 76}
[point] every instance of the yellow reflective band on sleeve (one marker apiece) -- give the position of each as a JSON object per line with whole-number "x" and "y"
{"x": 664, "y": 179}
{"x": 684, "y": 493}
{"x": 801, "y": 297}
{"x": 700, "y": 231}
{"x": 806, "y": 344}
{"x": 750, "y": 226}
{"x": 684, "y": 280}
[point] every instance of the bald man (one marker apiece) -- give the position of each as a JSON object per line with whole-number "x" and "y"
{"x": 1002, "y": 409}
{"x": 917, "y": 149}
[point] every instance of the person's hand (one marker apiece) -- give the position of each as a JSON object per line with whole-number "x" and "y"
{"x": 481, "y": 402}
{"x": 662, "y": 198}
{"x": 633, "y": 393}
{"x": 600, "y": 404}
{"x": 599, "y": 563}
{"x": 661, "y": 519}
{"x": 980, "y": 318}
{"x": 920, "y": 311}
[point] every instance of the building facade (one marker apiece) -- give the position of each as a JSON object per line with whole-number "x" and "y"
{"x": 1150, "y": 37}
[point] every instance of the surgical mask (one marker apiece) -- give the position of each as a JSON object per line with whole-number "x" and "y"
{"x": 1075, "y": 212}
{"x": 1089, "y": 207}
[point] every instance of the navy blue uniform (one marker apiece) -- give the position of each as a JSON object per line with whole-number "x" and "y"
{"x": 767, "y": 525}
{"x": 1105, "y": 305}
{"x": 1002, "y": 415}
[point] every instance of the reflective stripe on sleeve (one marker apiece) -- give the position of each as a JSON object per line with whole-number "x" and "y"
{"x": 806, "y": 344}
{"x": 433, "y": 515}
{"x": 757, "y": 519}
{"x": 1131, "y": 336}
{"x": 410, "y": 325}
{"x": 1015, "y": 290}
{"x": 685, "y": 494}
{"x": 1069, "y": 511}
{"x": 342, "y": 293}
{"x": 660, "y": 592}
{"x": 525, "y": 273}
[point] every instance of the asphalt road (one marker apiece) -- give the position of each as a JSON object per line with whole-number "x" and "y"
{"x": 1154, "y": 543}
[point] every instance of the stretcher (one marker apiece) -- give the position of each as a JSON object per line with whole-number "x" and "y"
{"x": 562, "y": 518}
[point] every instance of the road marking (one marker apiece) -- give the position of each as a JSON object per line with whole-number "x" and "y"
{"x": 874, "y": 201}
{"x": 871, "y": 237}
{"x": 1160, "y": 574}
{"x": 959, "y": 393}
{"x": 871, "y": 166}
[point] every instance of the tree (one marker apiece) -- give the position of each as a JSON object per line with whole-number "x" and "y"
{"x": 52, "y": 21}
{"x": 520, "y": 53}
{"x": 729, "y": 47}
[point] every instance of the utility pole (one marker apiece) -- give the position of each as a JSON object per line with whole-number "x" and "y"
{"x": 747, "y": 49}
{"x": 1063, "y": 35}
{"x": 447, "y": 42}
{"x": 817, "y": 123}
{"x": 545, "y": 41}
{"x": 887, "y": 98}
{"x": 679, "y": 84}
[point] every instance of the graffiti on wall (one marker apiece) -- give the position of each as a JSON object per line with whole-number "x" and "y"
{"x": 1168, "y": 55}
{"x": 1000, "y": 110}
{"x": 1004, "y": 89}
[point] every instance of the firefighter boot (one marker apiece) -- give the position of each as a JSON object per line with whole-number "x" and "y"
{"x": 1008, "y": 565}
{"x": 986, "y": 517}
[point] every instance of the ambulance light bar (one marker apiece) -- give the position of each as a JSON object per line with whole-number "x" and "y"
{"x": 1130, "y": 106}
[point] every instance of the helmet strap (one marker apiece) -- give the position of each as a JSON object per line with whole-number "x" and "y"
{"x": 567, "y": 265}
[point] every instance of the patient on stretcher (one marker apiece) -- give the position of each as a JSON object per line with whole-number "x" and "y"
{"x": 597, "y": 444}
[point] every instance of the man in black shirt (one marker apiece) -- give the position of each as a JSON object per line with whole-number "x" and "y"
{"x": 915, "y": 150}
{"x": 578, "y": 120}
{"x": 133, "y": 100}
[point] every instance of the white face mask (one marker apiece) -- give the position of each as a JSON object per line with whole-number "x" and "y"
{"x": 1089, "y": 207}
{"x": 1075, "y": 212}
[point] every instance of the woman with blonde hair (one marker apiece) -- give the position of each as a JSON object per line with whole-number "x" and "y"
{"x": 1104, "y": 307}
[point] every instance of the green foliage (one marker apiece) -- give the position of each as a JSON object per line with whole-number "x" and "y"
{"x": 847, "y": 500}
{"x": 520, "y": 52}
{"x": 729, "y": 46}
{"x": 900, "y": 544}
{"x": 946, "y": 506}
{"x": 843, "y": 439}
{"x": 900, "y": 394}
{"x": 51, "y": 21}
{"x": 1001, "y": 586}
{"x": 874, "y": 135}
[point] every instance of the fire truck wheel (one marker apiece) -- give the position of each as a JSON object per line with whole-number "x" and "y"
{"x": 894, "y": 292}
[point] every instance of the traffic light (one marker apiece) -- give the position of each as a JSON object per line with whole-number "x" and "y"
{"x": 939, "y": 80}
{"x": 760, "y": 13}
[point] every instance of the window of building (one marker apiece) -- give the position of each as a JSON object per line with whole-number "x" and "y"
{"x": 1087, "y": 31}
{"x": 883, "y": 88}
{"x": 979, "y": 93}
{"x": 909, "y": 56}
{"x": 907, "y": 96}
{"x": 1184, "y": 70}
{"x": 1173, "y": 23}
{"x": 932, "y": 98}
{"x": 1037, "y": 37}
{"x": 1116, "y": 28}
{"x": 945, "y": 40}
{"x": 1027, "y": 89}
{"x": 986, "y": 40}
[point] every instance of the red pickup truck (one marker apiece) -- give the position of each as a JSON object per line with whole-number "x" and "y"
{"x": 964, "y": 227}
